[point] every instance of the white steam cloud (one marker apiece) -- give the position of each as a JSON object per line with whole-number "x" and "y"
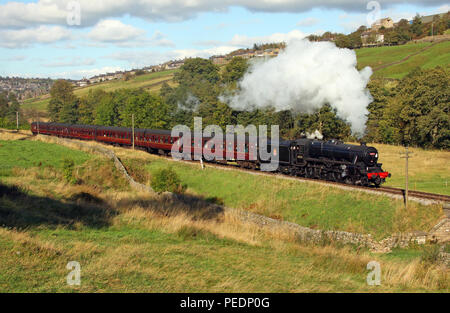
{"x": 304, "y": 77}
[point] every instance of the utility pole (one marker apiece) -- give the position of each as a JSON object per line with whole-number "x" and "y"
{"x": 17, "y": 121}
{"x": 406, "y": 157}
{"x": 132, "y": 123}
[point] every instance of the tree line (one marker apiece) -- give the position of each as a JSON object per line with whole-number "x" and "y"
{"x": 9, "y": 105}
{"x": 412, "y": 111}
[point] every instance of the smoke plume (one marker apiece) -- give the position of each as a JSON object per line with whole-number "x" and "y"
{"x": 304, "y": 77}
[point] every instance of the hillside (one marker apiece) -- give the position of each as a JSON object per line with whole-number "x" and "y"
{"x": 398, "y": 61}
{"x": 130, "y": 241}
{"x": 151, "y": 82}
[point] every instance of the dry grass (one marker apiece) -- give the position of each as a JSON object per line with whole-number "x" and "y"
{"x": 12, "y": 135}
{"x": 429, "y": 170}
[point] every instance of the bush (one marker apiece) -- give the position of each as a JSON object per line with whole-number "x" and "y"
{"x": 166, "y": 180}
{"x": 430, "y": 254}
{"x": 67, "y": 167}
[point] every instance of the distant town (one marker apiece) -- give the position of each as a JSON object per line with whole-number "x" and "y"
{"x": 383, "y": 32}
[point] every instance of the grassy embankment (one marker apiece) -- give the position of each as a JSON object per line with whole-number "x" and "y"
{"x": 126, "y": 241}
{"x": 307, "y": 204}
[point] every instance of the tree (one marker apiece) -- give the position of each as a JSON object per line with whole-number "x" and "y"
{"x": 418, "y": 112}
{"x": 197, "y": 70}
{"x": 343, "y": 41}
{"x": 62, "y": 99}
{"x": 106, "y": 112}
{"x": 417, "y": 26}
{"x": 87, "y": 106}
{"x": 3, "y": 103}
{"x": 234, "y": 70}
{"x": 325, "y": 121}
{"x": 374, "y": 127}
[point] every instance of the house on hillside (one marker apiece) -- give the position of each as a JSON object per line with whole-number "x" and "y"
{"x": 171, "y": 65}
{"x": 82, "y": 83}
{"x": 384, "y": 22}
{"x": 218, "y": 60}
{"x": 370, "y": 38}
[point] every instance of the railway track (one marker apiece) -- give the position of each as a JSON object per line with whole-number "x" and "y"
{"x": 389, "y": 190}
{"x": 416, "y": 194}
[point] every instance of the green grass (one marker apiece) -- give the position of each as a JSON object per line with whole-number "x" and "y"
{"x": 379, "y": 56}
{"x": 306, "y": 204}
{"x": 27, "y": 154}
{"x": 436, "y": 55}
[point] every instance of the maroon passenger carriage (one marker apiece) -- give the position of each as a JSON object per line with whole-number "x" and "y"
{"x": 151, "y": 140}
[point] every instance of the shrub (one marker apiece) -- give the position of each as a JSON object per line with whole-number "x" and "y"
{"x": 67, "y": 167}
{"x": 166, "y": 180}
{"x": 430, "y": 254}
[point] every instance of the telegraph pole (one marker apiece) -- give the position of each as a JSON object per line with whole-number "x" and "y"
{"x": 132, "y": 123}
{"x": 17, "y": 121}
{"x": 406, "y": 157}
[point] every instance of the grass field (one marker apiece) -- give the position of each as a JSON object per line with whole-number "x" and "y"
{"x": 429, "y": 170}
{"x": 28, "y": 154}
{"x": 131, "y": 242}
{"x": 436, "y": 55}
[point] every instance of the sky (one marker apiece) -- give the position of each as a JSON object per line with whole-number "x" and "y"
{"x": 82, "y": 38}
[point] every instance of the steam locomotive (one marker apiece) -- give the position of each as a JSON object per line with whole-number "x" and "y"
{"x": 326, "y": 160}
{"x": 332, "y": 160}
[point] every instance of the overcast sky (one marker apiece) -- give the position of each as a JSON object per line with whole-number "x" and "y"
{"x": 42, "y": 38}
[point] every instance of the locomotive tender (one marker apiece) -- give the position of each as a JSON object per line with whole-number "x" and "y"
{"x": 327, "y": 160}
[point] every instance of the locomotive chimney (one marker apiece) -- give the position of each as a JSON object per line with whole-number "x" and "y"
{"x": 363, "y": 144}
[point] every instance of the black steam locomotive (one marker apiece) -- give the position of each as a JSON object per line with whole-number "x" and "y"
{"x": 332, "y": 160}
{"x": 327, "y": 160}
